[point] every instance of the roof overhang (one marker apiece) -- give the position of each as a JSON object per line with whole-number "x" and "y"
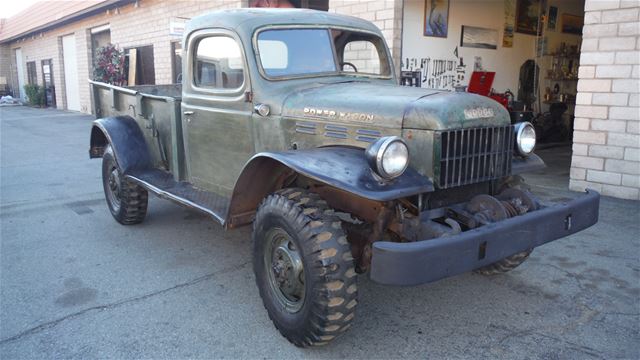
{"x": 64, "y": 20}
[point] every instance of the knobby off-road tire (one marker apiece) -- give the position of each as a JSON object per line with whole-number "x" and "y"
{"x": 126, "y": 200}
{"x": 507, "y": 264}
{"x": 306, "y": 231}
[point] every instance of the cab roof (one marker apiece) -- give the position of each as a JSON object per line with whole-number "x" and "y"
{"x": 245, "y": 21}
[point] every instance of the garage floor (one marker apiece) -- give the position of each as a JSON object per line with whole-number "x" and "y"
{"x": 75, "y": 284}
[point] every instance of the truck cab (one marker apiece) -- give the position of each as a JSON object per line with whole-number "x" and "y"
{"x": 293, "y": 121}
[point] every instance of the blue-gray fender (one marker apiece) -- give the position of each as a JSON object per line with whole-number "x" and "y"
{"x": 126, "y": 139}
{"x": 343, "y": 168}
{"x": 528, "y": 164}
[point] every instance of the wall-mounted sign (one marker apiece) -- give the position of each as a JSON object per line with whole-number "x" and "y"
{"x": 177, "y": 25}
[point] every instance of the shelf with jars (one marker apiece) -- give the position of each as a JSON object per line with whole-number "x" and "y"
{"x": 560, "y": 75}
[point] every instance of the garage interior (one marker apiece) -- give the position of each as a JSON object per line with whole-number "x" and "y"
{"x": 522, "y": 53}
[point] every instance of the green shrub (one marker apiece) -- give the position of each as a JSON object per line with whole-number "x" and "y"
{"x": 35, "y": 94}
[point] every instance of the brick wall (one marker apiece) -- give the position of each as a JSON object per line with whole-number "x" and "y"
{"x": 37, "y": 49}
{"x": 606, "y": 149}
{"x": 130, "y": 26}
{"x": 385, "y": 14}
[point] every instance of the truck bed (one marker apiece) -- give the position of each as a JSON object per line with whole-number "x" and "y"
{"x": 156, "y": 110}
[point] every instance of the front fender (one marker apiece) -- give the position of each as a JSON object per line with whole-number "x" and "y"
{"x": 525, "y": 165}
{"x": 126, "y": 139}
{"x": 340, "y": 167}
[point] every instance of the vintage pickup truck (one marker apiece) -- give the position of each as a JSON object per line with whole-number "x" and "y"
{"x": 293, "y": 120}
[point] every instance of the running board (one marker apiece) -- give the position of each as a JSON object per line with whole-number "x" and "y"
{"x": 164, "y": 186}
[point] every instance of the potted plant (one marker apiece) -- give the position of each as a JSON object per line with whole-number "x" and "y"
{"x": 110, "y": 65}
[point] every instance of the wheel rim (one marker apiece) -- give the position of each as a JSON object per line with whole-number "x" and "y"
{"x": 285, "y": 270}
{"x": 113, "y": 188}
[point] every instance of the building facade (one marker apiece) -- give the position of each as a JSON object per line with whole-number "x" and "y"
{"x": 146, "y": 25}
{"x": 58, "y": 47}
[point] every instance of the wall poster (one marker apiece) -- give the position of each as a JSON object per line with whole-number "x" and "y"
{"x": 436, "y": 18}
{"x": 478, "y": 37}
{"x": 553, "y": 18}
{"x": 509, "y": 23}
{"x": 572, "y": 24}
{"x": 527, "y": 15}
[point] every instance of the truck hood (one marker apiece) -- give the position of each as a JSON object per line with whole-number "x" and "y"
{"x": 394, "y": 107}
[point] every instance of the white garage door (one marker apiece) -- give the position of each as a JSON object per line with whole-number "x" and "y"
{"x": 71, "y": 72}
{"x": 20, "y": 70}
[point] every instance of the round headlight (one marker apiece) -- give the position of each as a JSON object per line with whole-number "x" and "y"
{"x": 388, "y": 157}
{"x": 525, "y": 138}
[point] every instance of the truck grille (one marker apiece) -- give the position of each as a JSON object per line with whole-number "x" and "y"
{"x": 470, "y": 156}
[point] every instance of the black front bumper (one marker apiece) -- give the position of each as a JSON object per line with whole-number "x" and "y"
{"x": 430, "y": 260}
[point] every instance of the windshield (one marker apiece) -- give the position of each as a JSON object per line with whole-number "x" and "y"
{"x": 300, "y": 52}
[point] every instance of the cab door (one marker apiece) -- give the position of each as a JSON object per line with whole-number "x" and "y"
{"x": 216, "y": 116}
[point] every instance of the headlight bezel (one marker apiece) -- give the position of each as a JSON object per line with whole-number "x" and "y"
{"x": 519, "y": 130}
{"x": 375, "y": 155}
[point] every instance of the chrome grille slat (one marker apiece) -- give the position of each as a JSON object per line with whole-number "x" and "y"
{"x": 474, "y": 155}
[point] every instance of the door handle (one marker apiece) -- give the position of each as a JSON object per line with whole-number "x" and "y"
{"x": 188, "y": 112}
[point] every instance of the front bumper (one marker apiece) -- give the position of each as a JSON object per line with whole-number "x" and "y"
{"x": 430, "y": 260}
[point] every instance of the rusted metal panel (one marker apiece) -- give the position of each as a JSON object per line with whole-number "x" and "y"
{"x": 154, "y": 114}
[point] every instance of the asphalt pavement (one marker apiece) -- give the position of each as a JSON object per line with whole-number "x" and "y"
{"x": 76, "y": 284}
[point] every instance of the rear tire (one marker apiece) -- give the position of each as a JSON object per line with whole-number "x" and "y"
{"x": 127, "y": 201}
{"x": 303, "y": 267}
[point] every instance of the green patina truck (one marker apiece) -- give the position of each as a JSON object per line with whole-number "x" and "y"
{"x": 293, "y": 121}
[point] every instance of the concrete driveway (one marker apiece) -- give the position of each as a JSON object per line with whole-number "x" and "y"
{"x": 75, "y": 284}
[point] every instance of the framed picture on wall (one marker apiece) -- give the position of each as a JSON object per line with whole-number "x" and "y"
{"x": 553, "y": 18}
{"x": 436, "y": 18}
{"x": 527, "y": 16}
{"x": 477, "y": 37}
{"x": 572, "y": 24}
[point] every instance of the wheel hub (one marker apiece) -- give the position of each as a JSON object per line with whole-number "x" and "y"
{"x": 114, "y": 186}
{"x": 114, "y": 182}
{"x": 286, "y": 271}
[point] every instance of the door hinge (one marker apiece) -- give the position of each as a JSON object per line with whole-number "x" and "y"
{"x": 248, "y": 96}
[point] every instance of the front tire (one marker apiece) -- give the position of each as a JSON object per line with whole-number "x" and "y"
{"x": 303, "y": 267}
{"x": 127, "y": 201}
{"x": 514, "y": 187}
{"x": 505, "y": 265}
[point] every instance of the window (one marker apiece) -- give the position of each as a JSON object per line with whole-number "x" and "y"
{"x": 361, "y": 56}
{"x": 299, "y": 52}
{"x": 176, "y": 62}
{"x": 296, "y": 52}
{"x": 32, "y": 75}
{"x": 99, "y": 39}
{"x": 218, "y": 63}
{"x": 360, "y": 53}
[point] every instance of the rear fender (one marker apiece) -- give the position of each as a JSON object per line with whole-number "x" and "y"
{"x": 343, "y": 168}
{"x": 126, "y": 139}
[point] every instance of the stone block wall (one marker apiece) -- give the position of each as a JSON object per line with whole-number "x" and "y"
{"x": 385, "y": 14}
{"x": 606, "y": 149}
